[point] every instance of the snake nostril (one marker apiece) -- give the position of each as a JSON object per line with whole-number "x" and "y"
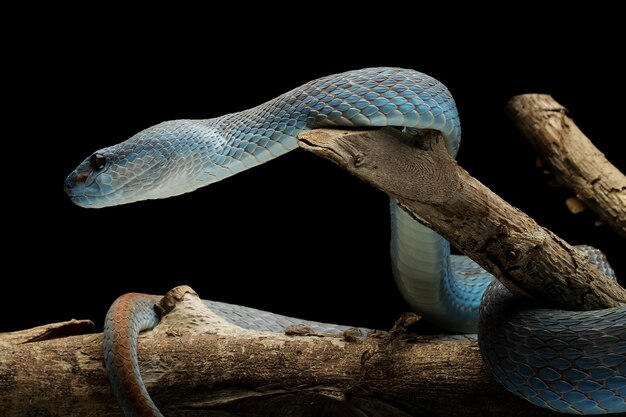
{"x": 70, "y": 181}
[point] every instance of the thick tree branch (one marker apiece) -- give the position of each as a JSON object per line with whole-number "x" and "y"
{"x": 571, "y": 156}
{"x": 526, "y": 257}
{"x": 194, "y": 363}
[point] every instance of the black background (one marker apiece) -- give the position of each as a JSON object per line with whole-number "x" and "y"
{"x": 298, "y": 235}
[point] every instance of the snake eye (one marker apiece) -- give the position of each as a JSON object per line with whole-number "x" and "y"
{"x": 97, "y": 161}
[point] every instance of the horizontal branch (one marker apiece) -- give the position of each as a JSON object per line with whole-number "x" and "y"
{"x": 526, "y": 257}
{"x": 571, "y": 156}
{"x": 194, "y": 363}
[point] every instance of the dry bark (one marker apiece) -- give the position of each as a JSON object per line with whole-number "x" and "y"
{"x": 571, "y": 156}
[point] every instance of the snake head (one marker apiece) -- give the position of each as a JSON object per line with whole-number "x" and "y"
{"x": 159, "y": 162}
{"x": 108, "y": 177}
{"x": 86, "y": 182}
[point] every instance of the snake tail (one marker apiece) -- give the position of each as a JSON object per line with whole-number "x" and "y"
{"x": 128, "y": 316}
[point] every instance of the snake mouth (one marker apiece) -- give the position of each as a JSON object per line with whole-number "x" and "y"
{"x": 93, "y": 202}
{"x": 84, "y": 190}
{"x": 79, "y": 195}
{"x": 82, "y": 201}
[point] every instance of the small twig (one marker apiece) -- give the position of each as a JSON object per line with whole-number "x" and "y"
{"x": 398, "y": 330}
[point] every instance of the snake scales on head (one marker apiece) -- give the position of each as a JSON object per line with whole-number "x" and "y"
{"x": 573, "y": 362}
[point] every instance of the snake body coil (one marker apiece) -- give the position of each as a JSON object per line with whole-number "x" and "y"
{"x": 567, "y": 361}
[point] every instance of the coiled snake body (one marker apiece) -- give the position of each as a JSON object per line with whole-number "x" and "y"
{"x": 572, "y": 362}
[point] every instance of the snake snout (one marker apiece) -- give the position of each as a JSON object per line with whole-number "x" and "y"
{"x": 73, "y": 184}
{"x": 77, "y": 188}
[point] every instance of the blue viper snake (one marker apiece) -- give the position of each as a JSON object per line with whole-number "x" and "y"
{"x": 572, "y": 362}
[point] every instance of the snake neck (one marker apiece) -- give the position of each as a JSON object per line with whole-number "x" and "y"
{"x": 239, "y": 141}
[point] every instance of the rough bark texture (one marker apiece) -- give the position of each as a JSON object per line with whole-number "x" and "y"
{"x": 526, "y": 257}
{"x": 196, "y": 364}
{"x": 48, "y": 331}
{"x": 574, "y": 160}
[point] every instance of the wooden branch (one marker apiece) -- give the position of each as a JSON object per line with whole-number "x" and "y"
{"x": 48, "y": 332}
{"x": 194, "y": 363}
{"x": 526, "y": 257}
{"x": 571, "y": 156}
